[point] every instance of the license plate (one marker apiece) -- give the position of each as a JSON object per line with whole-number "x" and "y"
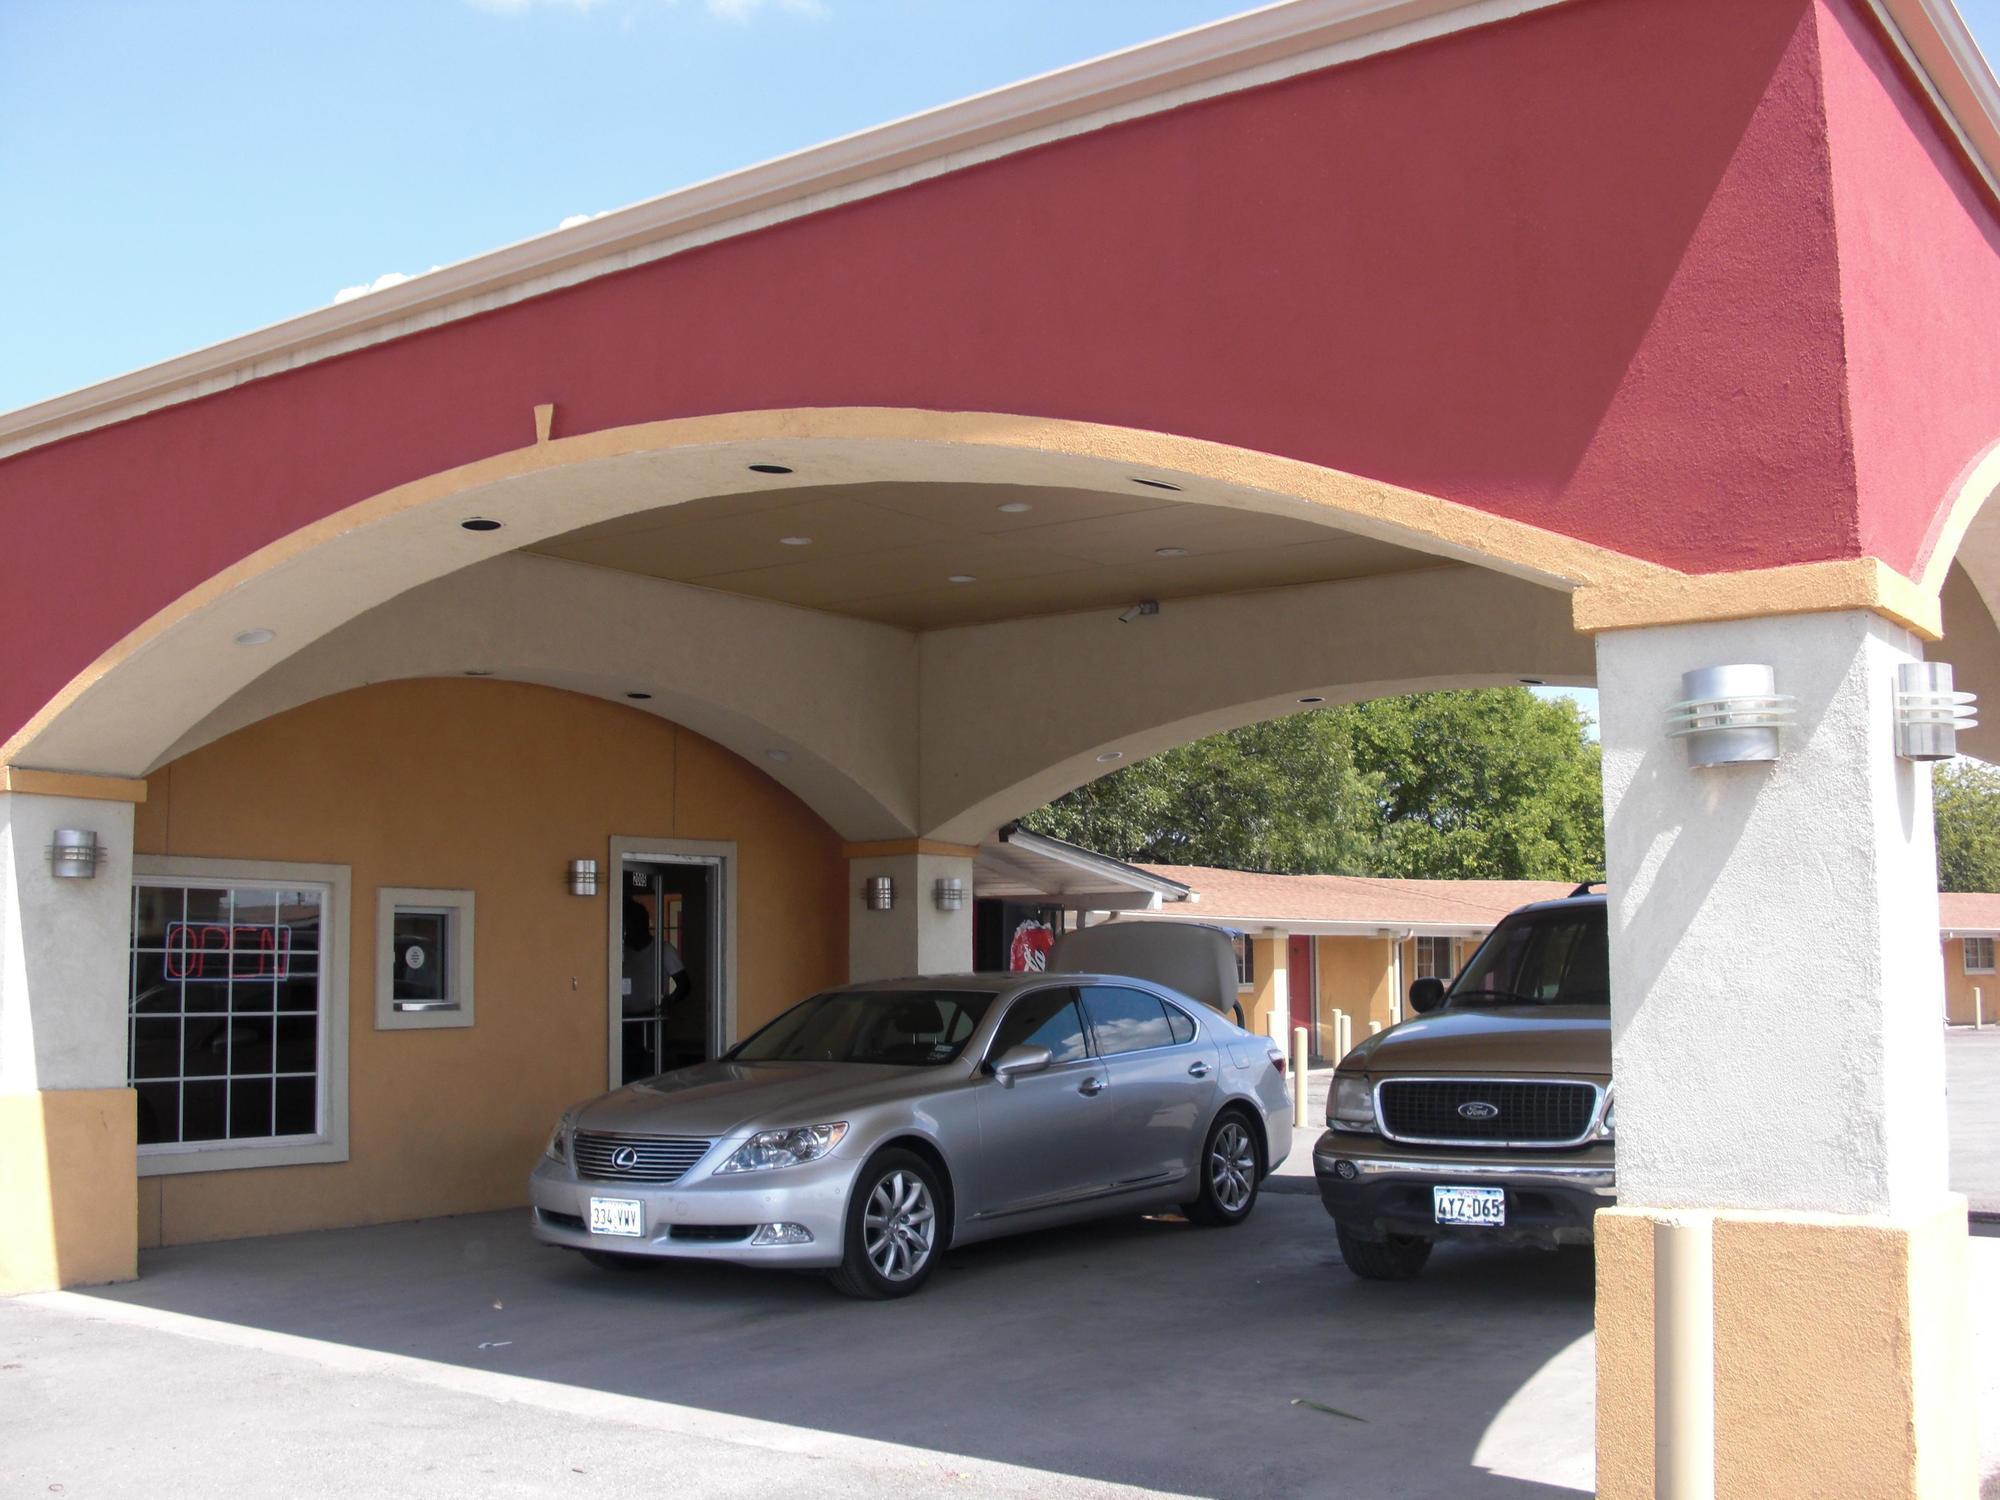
{"x": 617, "y": 1216}
{"x": 1484, "y": 1206}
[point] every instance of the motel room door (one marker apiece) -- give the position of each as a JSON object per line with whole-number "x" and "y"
{"x": 1302, "y": 990}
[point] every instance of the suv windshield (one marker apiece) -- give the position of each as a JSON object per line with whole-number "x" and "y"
{"x": 1543, "y": 958}
{"x": 907, "y": 1028}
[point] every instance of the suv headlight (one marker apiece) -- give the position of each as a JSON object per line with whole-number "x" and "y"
{"x": 1351, "y": 1105}
{"x": 558, "y": 1146}
{"x": 784, "y": 1148}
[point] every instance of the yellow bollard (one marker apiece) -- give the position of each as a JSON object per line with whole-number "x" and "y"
{"x": 1301, "y": 1055}
{"x": 1683, "y": 1358}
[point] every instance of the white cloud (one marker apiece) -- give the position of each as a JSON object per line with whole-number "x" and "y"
{"x": 381, "y": 283}
{"x": 575, "y": 219}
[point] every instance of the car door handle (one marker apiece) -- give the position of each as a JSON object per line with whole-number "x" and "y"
{"x": 1090, "y": 1088}
{"x": 1198, "y": 1070}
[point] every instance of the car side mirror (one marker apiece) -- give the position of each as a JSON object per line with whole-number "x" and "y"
{"x": 1426, "y": 995}
{"x": 1017, "y": 1061}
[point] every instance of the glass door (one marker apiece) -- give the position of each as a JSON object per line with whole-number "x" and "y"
{"x": 670, "y": 982}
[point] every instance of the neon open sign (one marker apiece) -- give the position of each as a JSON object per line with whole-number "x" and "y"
{"x": 213, "y": 952}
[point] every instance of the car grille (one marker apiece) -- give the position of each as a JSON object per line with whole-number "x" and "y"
{"x": 1528, "y": 1113}
{"x": 655, "y": 1158}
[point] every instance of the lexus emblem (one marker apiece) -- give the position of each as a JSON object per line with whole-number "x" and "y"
{"x": 1478, "y": 1109}
{"x": 625, "y": 1158}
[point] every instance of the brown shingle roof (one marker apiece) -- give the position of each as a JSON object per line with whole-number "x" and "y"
{"x": 1969, "y": 911}
{"x": 1241, "y": 895}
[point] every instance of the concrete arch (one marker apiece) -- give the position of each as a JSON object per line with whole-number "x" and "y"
{"x": 140, "y": 698}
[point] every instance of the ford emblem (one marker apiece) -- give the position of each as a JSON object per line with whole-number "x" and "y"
{"x": 1479, "y": 1109}
{"x": 625, "y": 1158}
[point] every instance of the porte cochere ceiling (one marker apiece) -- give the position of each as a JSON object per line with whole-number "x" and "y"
{"x": 891, "y": 552}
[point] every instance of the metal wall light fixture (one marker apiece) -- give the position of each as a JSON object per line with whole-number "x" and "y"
{"x": 878, "y": 892}
{"x": 1929, "y": 714}
{"x": 73, "y": 854}
{"x": 950, "y": 894}
{"x": 1730, "y": 716}
{"x": 583, "y": 877}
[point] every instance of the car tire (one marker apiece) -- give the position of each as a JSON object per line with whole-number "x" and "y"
{"x": 895, "y": 1228}
{"x": 617, "y": 1260}
{"x": 1231, "y": 1168}
{"x": 1398, "y": 1257}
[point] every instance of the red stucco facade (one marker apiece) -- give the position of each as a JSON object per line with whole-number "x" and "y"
{"x": 1703, "y": 282}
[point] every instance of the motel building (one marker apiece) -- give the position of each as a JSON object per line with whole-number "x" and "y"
{"x": 385, "y": 689}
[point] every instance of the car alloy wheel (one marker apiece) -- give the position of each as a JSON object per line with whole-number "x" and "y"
{"x": 1232, "y": 1167}
{"x": 899, "y": 1226}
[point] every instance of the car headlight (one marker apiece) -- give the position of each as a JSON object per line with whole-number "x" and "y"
{"x": 1351, "y": 1105}
{"x": 1608, "y": 1126}
{"x": 558, "y": 1146}
{"x": 784, "y": 1148}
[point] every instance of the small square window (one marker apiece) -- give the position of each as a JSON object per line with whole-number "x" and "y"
{"x": 1978, "y": 955}
{"x": 423, "y": 960}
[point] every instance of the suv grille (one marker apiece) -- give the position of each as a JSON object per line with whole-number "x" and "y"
{"x": 1553, "y": 1114}
{"x": 655, "y": 1158}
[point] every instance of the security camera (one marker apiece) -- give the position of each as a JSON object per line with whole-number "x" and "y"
{"x": 1143, "y": 607}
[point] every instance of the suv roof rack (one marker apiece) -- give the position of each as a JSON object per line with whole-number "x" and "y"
{"x": 1588, "y": 886}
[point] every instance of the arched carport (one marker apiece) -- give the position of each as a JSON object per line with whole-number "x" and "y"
{"x": 1385, "y": 347}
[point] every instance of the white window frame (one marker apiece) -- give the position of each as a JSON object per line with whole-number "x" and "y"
{"x": 1429, "y": 943}
{"x": 1966, "y": 950}
{"x": 1246, "y": 962}
{"x": 336, "y": 884}
{"x": 458, "y": 906}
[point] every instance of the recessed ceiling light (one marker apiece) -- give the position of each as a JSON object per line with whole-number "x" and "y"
{"x": 1016, "y": 507}
{"x": 1155, "y": 484}
{"x": 1110, "y": 755}
{"x": 780, "y": 756}
{"x": 961, "y": 578}
{"x": 480, "y": 523}
{"x": 259, "y": 637}
{"x": 638, "y": 697}
{"x": 1170, "y": 552}
{"x": 769, "y": 469}
{"x": 478, "y": 671}
{"x": 1312, "y": 700}
{"x": 795, "y": 541}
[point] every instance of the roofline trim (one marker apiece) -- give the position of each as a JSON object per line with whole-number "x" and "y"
{"x": 1239, "y": 52}
{"x": 1936, "y": 45}
{"x": 1080, "y": 858}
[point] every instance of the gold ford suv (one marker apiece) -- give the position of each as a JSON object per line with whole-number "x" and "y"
{"x": 1489, "y": 1115}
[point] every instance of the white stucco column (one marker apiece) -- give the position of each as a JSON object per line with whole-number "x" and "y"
{"x": 1779, "y": 1066}
{"x": 913, "y": 936}
{"x": 68, "y": 1171}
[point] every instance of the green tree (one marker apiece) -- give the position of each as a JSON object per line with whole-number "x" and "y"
{"x": 1281, "y": 796}
{"x": 1967, "y": 795}
{"x": 1490, "y": 784}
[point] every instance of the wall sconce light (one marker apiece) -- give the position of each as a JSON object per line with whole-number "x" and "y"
{"x": 73, "y": 854}
{"x": 1929, "y": 714}
{"x": 950, "y": 894}
{"x": 878, "y": 892}
{"x": 583, "y": 877}
{"x": 1730, "y": 715}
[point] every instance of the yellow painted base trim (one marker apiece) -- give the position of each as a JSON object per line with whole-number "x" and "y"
{"x": 1668, "y": 598}
{"x": 71, "y": 784}
{"x": 69, "y": 1189}
{"x": 1843, "y": 1361}
{"x": 891, "y": 848}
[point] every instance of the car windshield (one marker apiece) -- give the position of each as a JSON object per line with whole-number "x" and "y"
{"x": 1543, "y": 958}
{"x": 906, "y": 1028}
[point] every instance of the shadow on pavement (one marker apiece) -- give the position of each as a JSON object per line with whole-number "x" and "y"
{"x": 1212, "y": 1362}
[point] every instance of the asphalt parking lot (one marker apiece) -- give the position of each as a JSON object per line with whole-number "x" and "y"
{"x": 455, "y": 1357}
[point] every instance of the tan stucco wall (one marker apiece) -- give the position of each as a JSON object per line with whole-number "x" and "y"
{"x": 491, "y": 787}
{"x": 1958, "y": 987}
{"x": 1843, "y": 1363}
{"x": 1354, "y": 977}
{"x": 66, "y": 1188}
{"x": 1267, "y": 958}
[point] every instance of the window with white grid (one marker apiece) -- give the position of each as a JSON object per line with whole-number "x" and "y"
{"x": 234, "y": 1019}
{"x": 1434, "y": 958}
{"x": 1978, "y": 955}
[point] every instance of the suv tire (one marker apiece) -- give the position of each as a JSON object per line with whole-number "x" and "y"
{"x": 1398, "y": 1257}
{"x": 1231, "y": 1167}
{"x": 895, "y": 1228}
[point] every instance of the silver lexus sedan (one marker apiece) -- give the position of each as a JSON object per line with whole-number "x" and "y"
{"x": 869, "y": 1127}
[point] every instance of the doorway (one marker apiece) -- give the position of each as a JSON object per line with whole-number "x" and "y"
{"x": 1302, "y": 990}
{"x": 670, "y": 960}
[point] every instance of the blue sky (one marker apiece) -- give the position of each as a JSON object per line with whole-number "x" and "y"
{"x": 175, "y": 173}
